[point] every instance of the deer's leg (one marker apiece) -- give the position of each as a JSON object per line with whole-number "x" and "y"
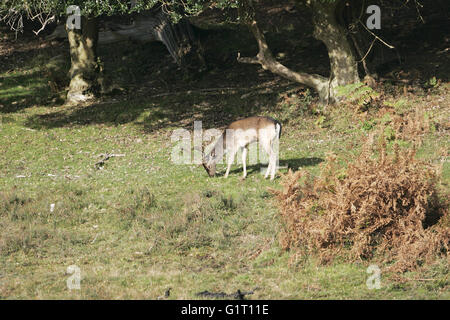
{"x": 273, "y": 157}
{"x": 273, "y": 163}
{"x": 269, "y": 167}
{"x": 230, "y": 159}
{"x": 266, "y": 146}
{"x": 244, "y": 159}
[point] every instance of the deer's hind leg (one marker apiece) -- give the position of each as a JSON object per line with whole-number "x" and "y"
{"x": 265, "y": 144}
{"x": 244, "y": 159}
{"x": 273, "y": 156}
{"x": 273, "y": 164}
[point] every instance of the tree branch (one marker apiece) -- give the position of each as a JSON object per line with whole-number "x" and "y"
{"x": 247, "y": 59}
{"x": 268, "y": 62}
{"x": 376, "y": 37}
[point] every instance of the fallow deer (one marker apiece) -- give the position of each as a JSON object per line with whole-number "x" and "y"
{"x": 238, "y": 135}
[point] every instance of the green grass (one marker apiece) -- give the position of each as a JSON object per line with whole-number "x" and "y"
{"x": 142, "y": 224}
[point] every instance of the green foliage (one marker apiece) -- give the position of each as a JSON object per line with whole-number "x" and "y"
{"x": 320, "y": 121}
{"x": 368, "y": 125}
{"x": 95, "y": 8}
{"x": 389, "y": 133}
{"x": 386, "y": 118}
{"x": 358, "y": 94}
{"x": 432, "y": 83}
{"x": 401, "y": 105}
{"x": 90, "y": 8}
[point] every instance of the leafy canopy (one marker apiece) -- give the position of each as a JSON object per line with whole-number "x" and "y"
{"x": 109, "y": 7}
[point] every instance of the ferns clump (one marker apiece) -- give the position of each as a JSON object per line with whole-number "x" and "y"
{"x": 383, "y": 207}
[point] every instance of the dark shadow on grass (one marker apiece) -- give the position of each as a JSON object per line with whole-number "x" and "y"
{"x": 298, "y": 163}
{"x": 180, "y": 110}
{"x": 23, "y": 80}
{"x": 293, "y": 163}
{"x": 101, "y": 113}
{"x": 161, "y": 96}
{"x": 18, "y": 91}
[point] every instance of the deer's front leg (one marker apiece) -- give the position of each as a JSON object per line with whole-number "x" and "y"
{"x": 230, "y": 160}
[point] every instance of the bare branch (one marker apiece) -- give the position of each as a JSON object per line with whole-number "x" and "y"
{"x": 100, "y": 163}
{"x": 368, "y": 51}
{"x": 44, "y": 23}
{"x": 254, "y": 60}
{"x": 268, "y": 62}
{"x": 377, "y": 37}
{"x": 14, "y": 18}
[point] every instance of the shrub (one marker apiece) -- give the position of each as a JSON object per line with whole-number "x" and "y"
{"x": 360, "y": 96}
{"x": 385, "y": 207}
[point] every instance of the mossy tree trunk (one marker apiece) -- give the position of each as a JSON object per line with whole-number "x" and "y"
{"x": 344, "y": 69}
{"x": 84, "y": 71}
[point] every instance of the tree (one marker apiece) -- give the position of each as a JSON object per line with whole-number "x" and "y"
{"x": 326, "y": 18}
{"x": 84, "y": 67}
{"x": 344, "y": 69}
{"x": 84, "y": 72}
{"x": 83, "y": 41}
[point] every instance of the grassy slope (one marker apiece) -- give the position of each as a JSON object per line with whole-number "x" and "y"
{"x": 143, "y": 224}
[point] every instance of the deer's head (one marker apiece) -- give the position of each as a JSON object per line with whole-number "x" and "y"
{"x": 210, "y": 165}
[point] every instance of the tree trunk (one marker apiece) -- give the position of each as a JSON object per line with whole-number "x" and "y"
{"x": 84, "y": 71}
{"x": 189, "y": 49}
{"x": 344, "y": 68}
{"x": 153, "y": 25}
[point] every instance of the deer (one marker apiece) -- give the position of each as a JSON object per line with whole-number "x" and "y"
{"x": 238, "y": 135}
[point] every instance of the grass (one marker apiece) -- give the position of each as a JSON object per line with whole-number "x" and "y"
{"x": 142, "y": 224}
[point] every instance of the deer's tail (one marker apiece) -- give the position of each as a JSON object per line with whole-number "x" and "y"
{"x": 278, "y": 128}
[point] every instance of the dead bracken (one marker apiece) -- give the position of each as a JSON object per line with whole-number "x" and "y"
{"x": 385, "y": 207}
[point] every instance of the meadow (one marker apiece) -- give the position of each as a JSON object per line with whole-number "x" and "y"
{"x": 138, "y": 224}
